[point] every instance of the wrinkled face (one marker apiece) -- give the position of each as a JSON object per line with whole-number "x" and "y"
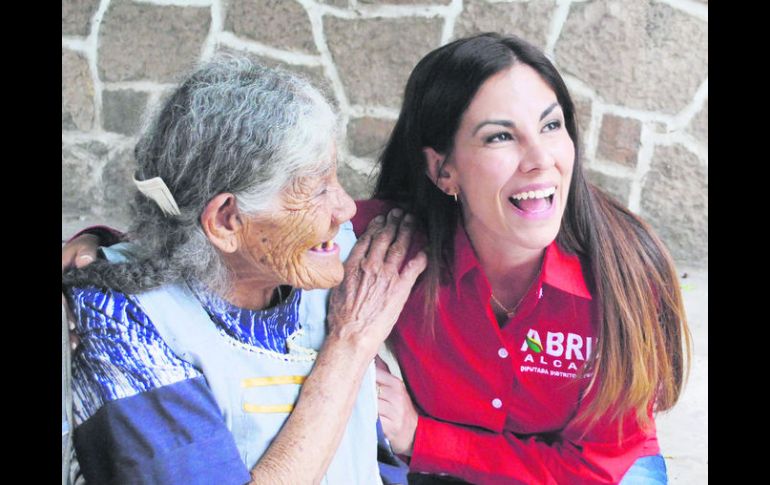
{"x": 292, "y": 243}
{"x": 513, "y": 160}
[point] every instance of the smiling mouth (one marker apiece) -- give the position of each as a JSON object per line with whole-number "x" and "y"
{"x": 324, "y": 247}
{"x": 533, "y": 200}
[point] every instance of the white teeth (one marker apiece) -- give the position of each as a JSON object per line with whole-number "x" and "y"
{"x": 535, "y": 194}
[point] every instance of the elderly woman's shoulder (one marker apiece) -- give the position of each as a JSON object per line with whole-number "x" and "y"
{"x": 368, "y": 209}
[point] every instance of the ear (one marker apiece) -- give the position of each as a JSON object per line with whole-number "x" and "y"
{"x": 221, "y": 223}
{"x": 440, "y": 171}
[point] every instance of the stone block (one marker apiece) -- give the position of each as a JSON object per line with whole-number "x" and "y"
{"x": 675, "y": 202}
{"x": 81, "y": 165}
{"x": 404, "y": 2}
{"x": 358, "y": 185}
{"x": 583, "y": 111}
{"x": 335, "y": 3}
{"x": 367, "y": 136}
{"x": 375, "y": 56}
{"x": 645, "y": 55}
{"x": 96, "y": 180}
{"x": 77, "y": 92}
{"x": 619, "y": 139}
{"x": 140, "y": 41}
{"x": 617, "y": 187}
{"x": 117, "y": 183}
{"x": 283, "y": 24}
{"x": 699, "y": 125}
{"x": 76, "y": 16}
{"x": 529, "y": 20}
{"x": 122, "y": 110}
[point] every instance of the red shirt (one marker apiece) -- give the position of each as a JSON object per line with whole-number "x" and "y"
{"x": 496, "y": 404}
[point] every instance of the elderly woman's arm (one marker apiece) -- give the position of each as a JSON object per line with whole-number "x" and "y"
{"x": 362, "y": 311}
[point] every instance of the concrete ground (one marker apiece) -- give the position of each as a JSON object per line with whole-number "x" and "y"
{"x": 683, "y": 431}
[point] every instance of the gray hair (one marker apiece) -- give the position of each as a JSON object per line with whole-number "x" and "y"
{"x": 232, "y": 126}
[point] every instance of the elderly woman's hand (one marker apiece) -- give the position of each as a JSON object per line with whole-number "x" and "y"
{"x": 366, "y": 305}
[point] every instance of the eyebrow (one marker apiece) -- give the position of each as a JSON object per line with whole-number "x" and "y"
{"x": 511, "y": 124}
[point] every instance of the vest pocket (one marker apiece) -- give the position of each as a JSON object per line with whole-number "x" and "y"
{"x": 270, "y": 394}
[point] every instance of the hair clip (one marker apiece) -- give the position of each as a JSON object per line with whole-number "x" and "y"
{"x": 156, "y": 189}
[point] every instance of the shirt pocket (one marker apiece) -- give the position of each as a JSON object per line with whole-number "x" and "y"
{"x": 265, "y": 404}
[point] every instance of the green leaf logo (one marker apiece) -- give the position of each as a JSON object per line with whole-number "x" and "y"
{"x": 535, "y": 345}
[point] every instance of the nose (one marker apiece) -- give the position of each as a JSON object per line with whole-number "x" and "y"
{"x": 344, "y": 206}
{"x": 536, "y": 157}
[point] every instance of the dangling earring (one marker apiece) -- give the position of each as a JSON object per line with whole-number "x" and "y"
{"x": 455, "y": 196}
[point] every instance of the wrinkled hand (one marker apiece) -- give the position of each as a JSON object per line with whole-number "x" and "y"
{"x": 79, "y": 252}
{"x": 366, "y": 305}
{"x": 397, "y": 413}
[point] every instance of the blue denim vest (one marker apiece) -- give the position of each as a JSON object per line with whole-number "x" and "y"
{"x": 255, "y": 388}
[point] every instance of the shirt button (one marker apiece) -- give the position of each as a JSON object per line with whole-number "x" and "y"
{"x": 496, "y": 403}
{"x": 503, "y": 353}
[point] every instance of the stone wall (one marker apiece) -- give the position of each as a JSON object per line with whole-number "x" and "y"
{"x": 638, "y": 70}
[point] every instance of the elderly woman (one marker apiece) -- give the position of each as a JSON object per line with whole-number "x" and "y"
{"x": 204, "y": 355}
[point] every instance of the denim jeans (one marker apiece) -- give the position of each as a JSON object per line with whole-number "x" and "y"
{"x": 647, "y": 470}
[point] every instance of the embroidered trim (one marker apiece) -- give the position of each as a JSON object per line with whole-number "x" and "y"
{"x": 305, "y": 354}
{"x": 292, "y": 346}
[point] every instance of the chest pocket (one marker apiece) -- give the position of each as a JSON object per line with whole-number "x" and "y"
{"x": 267, "y": 389}
{"x": 280, "y": 398}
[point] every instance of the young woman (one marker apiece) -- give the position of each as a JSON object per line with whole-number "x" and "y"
{"x": 549, "y": 325}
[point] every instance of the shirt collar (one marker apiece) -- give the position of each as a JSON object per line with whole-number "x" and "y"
{"x": 268, "y": 328}
{"x": 564, "y": 271}
{"x": 560, "y": 269}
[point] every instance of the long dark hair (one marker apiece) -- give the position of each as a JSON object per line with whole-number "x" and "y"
{"x": 640, "y": 357}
